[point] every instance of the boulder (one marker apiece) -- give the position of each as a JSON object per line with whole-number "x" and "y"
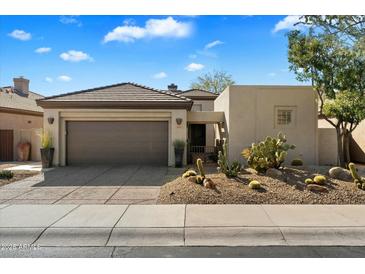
{"x": 208, "y": 183}
{"x": 317, "y": 188}
{"x": 273, "y": 172}
{"x": 340, "y": 173}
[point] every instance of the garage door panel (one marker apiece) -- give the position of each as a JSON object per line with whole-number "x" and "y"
{"x": 117, "y": 143}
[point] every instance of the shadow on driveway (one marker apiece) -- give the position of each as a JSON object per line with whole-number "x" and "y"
{"x": 108, "y": 176}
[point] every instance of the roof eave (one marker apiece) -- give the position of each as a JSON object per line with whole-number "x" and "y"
{"x": 116, "y": 104}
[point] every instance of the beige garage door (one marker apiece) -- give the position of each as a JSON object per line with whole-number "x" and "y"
{"x": 117, "y": 143}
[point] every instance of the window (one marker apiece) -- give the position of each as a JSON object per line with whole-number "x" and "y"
{"x": 197, "y": 107}
{"x": 285, "y": 116}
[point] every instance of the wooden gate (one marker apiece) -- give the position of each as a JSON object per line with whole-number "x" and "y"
{"x": 6, "y": 145}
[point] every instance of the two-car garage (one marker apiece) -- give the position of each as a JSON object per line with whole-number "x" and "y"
{"x": 117, "y": 142}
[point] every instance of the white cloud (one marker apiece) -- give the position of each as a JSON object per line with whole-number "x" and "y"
{"x": 64, "y": 78}
{"x": 213, "y": 44}
{"x": 67, "y": 20}
{"x": 160, "y": 75}
{"x": 42, "y": 50}
{"x": 194, "y": 67}
{"x": 168, "y": 27}
{"x": 48, "y": 79}
{"x": 288, "y": 23}
{"x": 20, "y": 35}
{"x": 75, "y": 56}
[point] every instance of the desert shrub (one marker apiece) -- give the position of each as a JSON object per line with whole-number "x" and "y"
{"x": 6, "y": 174}
{"x": 230, "y": 170}
{"x": 189, "y": 173}
{"x": 297, "y": 162}
{"x": 254, "y": 184}
{"x": 308, "y": 181}
{"x": 267, "y": 154}
{"x": 358, "y": 180}
{"x": 46, "y": 139}
{"x": 319, "y": 179}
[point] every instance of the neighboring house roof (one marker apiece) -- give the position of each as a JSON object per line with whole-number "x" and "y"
{"x": 127, "y": 95}
{"x": 199, "y": 94}
{"x": 15, "y": 101}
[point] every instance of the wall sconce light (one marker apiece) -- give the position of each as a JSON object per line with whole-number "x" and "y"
{"x": 50, "y": 120}
{"x": 179, "y": 121}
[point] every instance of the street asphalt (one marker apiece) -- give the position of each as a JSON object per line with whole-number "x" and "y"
{"x": 188, "y": 252}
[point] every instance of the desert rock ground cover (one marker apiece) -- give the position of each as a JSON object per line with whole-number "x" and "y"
{"x": 18, "y": 175}
{"x": 288, "y": 189}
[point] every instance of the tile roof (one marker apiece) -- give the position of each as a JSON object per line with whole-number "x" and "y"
{"x": 124, "y": 95}
{"x": 12, "y": 99}
{"x": 127, "y": 92}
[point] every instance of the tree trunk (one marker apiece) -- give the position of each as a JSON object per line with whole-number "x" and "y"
{"x": 346, "y": 147}
{"x": 340, "y": 151}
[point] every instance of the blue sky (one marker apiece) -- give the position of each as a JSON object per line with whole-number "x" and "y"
{"x": 64, "y": 53}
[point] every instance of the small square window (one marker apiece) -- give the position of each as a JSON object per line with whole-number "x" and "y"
{"x": 284, "y": 117}
{"x": 197, "y": 107}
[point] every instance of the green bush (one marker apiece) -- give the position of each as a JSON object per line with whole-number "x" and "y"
{"x": 297, "y": 162}
{"x": 179, "y": 144}
{"x": 267, "y": 154}
{"x": 319, "y": 179}
{"x": 358, "y": 180}
{"x": 254, "y": 184}
{"x": 6, "y": 174}
{"x": 308, "y": 181}
{"x": 230, "y": 170}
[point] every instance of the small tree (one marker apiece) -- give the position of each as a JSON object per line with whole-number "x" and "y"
{"x": 332, "y": 66}
{"x": 215, "y": 81}
{"x": 348, "y": 110}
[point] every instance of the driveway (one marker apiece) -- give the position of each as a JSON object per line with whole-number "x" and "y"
{"x": 91, "y": 185}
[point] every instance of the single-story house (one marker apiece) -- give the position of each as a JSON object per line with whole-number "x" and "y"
{"x": 21, "y": 120}
{"x": 132, "y": 124}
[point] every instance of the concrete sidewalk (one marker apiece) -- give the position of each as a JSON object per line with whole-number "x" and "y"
{"x": 182, "y": 225}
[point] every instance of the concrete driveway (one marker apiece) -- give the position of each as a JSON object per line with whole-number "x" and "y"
{"x": 91, "y": 185}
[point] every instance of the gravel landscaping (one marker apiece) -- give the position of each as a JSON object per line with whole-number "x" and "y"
{"x": 288, "y": 189}
{"x": 18, "y": 175}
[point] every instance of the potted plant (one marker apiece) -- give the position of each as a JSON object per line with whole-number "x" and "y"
{"x": 47, "y": 149}
{"x": 179, "y": 146}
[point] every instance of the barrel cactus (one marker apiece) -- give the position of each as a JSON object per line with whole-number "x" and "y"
{"x": 270, "y": 153}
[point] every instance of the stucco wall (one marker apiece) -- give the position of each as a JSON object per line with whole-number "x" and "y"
{"x": 26, "y": 128}
{"x": 327, "y": 146}
{"x": 61, "y": 116}
{"x": 358, "y": 143}
{"x": 250, "y": 117}
{"x": 20, "y": 121}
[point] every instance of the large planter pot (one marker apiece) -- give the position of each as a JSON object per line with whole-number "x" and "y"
{"x": 179, "y": 155}
{"x": 23, "y": 151}
{"x": 47, "y": 157}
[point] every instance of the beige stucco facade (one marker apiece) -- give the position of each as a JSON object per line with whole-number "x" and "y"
{"x": 251, "y": 115}
{"x": 26, "y": 128}
{"x": 61, "y": 116}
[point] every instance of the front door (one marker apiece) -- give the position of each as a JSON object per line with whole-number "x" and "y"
{"x": 197, "y": 135}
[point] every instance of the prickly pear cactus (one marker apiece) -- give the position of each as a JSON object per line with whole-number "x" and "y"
{"x": 270, "y": 153}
